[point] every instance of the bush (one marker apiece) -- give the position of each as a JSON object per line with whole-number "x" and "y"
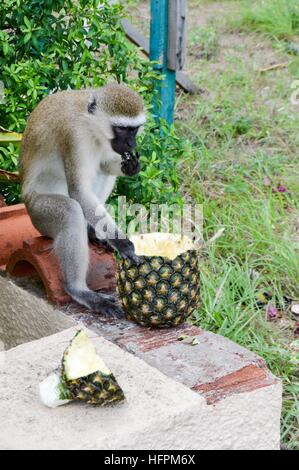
{"x": 48, "y": 45}
{"x": 158, "y": 182}
{"x": 54, "y": 45}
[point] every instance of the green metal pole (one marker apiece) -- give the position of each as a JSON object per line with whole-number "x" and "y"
{"x": 163, "y": 105}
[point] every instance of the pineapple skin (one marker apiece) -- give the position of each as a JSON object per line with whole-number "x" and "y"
{"x": 98, "y": 388}
{"x": 160, "y": 292}
{"x": 95, "y": 389}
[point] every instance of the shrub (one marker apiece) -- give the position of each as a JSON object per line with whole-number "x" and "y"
{"x": 48, "y": 45}
{"x": 54, "y": 45}
{"x": 158, "y": 182}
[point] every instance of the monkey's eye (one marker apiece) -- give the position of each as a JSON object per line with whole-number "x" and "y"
{"x": 133, "y": 130}
{"x": 121, "y": 130}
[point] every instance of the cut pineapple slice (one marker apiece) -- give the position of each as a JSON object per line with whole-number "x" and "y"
{"x": 52, "y": 391}
{"x": 166, "y": 245}
{"x": 83, "y": 376}
{"x": 80, "y": 358}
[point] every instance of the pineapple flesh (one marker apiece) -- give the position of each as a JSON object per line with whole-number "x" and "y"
{"x": 82, "y": 376}
{"x": 164, "y": 289}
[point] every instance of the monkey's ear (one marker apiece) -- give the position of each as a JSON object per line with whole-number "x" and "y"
{"x": 92, "y": 104}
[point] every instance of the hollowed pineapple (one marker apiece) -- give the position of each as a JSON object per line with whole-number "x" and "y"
{"x": 163, "y": 290}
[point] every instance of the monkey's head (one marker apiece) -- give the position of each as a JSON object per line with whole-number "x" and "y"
{"x": 124, "y": 110}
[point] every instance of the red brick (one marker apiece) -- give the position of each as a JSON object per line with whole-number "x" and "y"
{"x": 37, "y": 258}
{"x": 246, "y": 379}
{"x": 15, "y": 227}
{"x": 146, "y": 339}
{"x": 215, "y": 368}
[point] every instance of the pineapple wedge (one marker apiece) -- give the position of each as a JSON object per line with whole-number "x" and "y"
{"x": 53, "y": 392}
{"x": 83, "y": 376}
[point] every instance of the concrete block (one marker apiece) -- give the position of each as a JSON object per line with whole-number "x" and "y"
{"x": 239, "y": 399}
{"x": 216, "y": 367}
{"x": 158, "y": 412}
{"x": 24, "y": 317}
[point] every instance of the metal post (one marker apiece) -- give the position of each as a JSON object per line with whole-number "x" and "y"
{"x": 165, "y": 96}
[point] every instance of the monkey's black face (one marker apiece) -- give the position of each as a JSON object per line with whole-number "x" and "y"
{"x": 124, "y": 139}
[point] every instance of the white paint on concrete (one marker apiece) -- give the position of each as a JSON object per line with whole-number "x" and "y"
{"x": 159, "y": 413}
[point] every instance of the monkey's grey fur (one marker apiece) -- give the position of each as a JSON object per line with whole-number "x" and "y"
{"x": 68, "y": 170}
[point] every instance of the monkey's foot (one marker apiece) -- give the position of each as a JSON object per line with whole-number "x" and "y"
{"x": 97, "y": 302}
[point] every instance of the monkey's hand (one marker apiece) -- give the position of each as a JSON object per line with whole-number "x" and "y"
{"x": 125, "y": 249}
{"x": 93, "y": 238}
{"x": 130, "y": 164}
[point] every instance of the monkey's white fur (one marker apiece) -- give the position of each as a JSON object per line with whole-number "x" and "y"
{"x": 128, "y": 121}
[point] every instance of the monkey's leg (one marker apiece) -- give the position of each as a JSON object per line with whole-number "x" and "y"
{"x": 80, "y": 187}
{"x": 62, "y": 219}
{"x": 105, "y": 228}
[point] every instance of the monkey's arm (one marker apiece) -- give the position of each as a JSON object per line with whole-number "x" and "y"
{"x": 80, "y": 189}
{"x": 122, "y": 165}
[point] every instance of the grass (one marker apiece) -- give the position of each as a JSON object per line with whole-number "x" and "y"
{"x": 277, "y": 18}
{"x": 244, "y": 132}
{"x": 204, "y": 43}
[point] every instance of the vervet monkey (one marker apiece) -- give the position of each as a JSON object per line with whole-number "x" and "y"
{"x": 75, "y": 144}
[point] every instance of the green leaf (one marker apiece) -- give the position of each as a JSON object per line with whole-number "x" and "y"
{"x": 27, "y": 22}
{"x": 27, "y": 37}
